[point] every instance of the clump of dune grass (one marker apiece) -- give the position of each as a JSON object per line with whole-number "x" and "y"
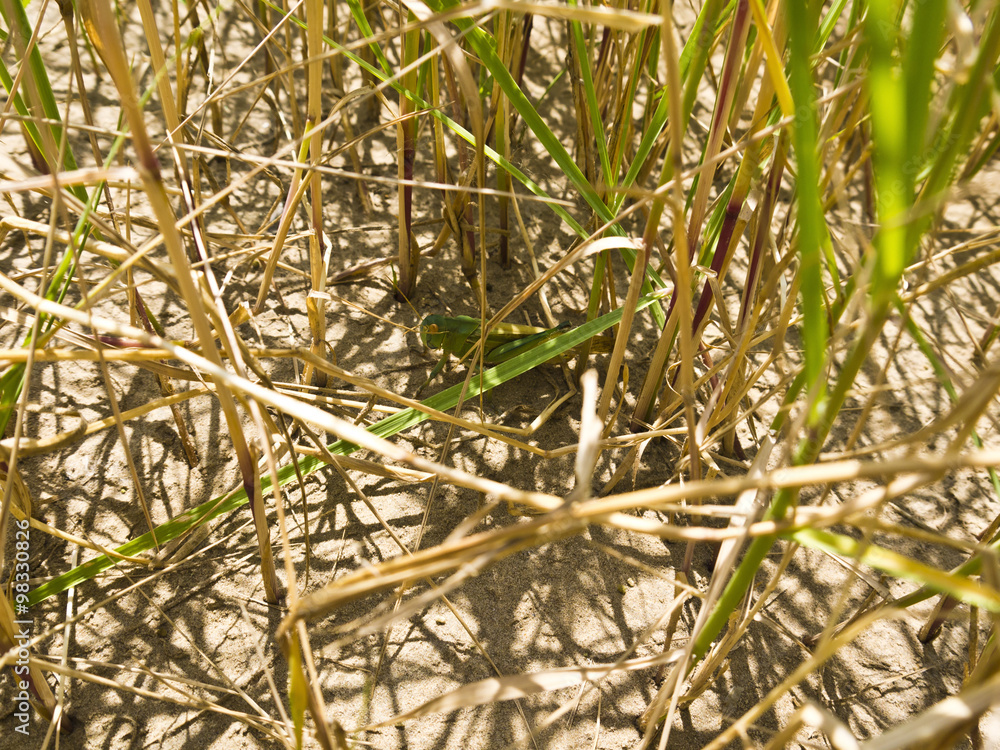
{"x": 759, "y": 196}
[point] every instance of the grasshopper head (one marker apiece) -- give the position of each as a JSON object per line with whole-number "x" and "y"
{"x": 433, "y": 332}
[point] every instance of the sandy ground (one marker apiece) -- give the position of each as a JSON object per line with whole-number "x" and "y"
{"x": 580, "y": 601}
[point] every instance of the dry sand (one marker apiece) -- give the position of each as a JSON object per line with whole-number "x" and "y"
{"x": 579, "y": 601}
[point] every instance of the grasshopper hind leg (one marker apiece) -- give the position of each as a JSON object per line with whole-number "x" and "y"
{"x": 434, "y": 373}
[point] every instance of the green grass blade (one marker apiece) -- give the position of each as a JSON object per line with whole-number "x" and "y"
{"x": 802, "y": 17}
{"x": 962, "y": 588}
{"x": 597, "y": 127}
{"x": 358, "y": 13}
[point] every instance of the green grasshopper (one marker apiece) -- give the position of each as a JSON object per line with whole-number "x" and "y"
{"x": 457, "y": 335}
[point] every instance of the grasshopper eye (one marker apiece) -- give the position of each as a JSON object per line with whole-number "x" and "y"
{"x": 427, "y": 334}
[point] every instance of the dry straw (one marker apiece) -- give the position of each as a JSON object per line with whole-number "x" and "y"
{"x": 747, "y": 205}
